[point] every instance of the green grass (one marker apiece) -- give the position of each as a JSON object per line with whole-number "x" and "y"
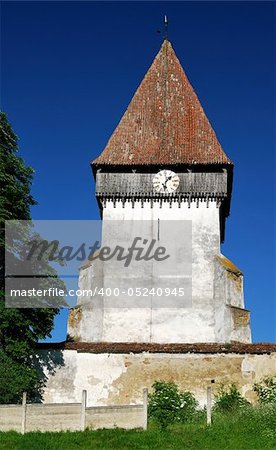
{"x": 249, "y": 429}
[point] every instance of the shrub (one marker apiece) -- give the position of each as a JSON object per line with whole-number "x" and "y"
{"x": 167, "y": 405}
{"x": 188, "y": 407}
{"x": 229, "y": 399}
{"x": 266, "y": 390}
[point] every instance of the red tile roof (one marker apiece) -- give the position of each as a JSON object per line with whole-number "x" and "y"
{"x": 164, "y": 122}
{"x": 135, "y": 347}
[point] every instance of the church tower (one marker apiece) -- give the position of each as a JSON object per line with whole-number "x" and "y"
{"x": 164, "y": 162}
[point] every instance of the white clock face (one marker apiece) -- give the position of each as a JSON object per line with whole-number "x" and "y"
{"x": 165, "y": 181}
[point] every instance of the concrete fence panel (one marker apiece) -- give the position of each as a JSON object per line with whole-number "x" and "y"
{"x": 123, "y": 416}
{"x": 10, "y": 418}
{"x": 71, "y": 416}
{"x": 53, "y": 417}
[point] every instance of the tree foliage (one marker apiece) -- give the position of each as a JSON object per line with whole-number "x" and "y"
{"x": 20, "y": 329}
{"x": 15, "y": 177}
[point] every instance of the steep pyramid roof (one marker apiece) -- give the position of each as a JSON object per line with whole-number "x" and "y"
{"x": 164, "y": 122}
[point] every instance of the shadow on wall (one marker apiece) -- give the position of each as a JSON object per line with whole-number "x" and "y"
{"x": 46, "y": 364}
{"x": 31, "y": 375}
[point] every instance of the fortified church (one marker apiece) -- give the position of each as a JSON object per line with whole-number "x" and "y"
{"x": 163, "y": 162}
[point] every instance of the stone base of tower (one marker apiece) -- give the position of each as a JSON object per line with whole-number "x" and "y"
{"x": 216, "y": 314}
{"x": 163, "y": 326}
{"x": 115, "y": 374}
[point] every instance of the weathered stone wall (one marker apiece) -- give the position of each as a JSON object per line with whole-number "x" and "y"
{"x": 232, "y": 319}
{"x": 119, "y": 378}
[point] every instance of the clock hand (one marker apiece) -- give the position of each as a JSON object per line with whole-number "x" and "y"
{"x": 169, "y": 178}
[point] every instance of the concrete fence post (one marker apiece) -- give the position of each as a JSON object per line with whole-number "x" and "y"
{"x": 83, "y": 410}
{"x": 24, "y": 412}
{"x": 145, "y": 408}
{"x": 209, "y": 405}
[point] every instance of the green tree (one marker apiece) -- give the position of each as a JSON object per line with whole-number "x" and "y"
{"x": 20, "y": 329}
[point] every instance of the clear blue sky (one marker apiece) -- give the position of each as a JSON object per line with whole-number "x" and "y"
{"x": 69, "y": 70}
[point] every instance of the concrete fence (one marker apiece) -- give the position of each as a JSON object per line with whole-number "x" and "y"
{"x": 71, "y": 416}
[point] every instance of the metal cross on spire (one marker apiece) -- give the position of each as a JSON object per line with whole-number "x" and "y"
{"x": 166, "y": 24}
